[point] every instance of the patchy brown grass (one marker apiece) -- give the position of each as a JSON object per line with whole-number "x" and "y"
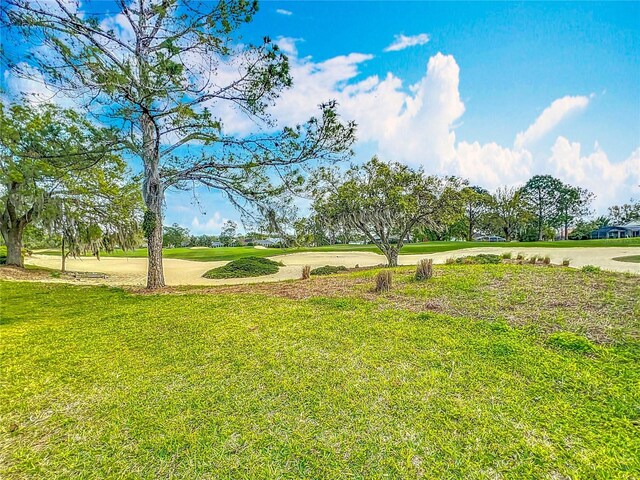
{"x": 9, "y": 272}
{"x": 605, "y": 307}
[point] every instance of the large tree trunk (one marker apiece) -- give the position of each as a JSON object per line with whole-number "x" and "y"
{"x": 13, "y": 238}
{"x": 153, "y": 193}
{"x": 392, "y": 256}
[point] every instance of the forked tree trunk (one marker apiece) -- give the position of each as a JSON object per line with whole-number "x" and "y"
{"x": 392, "y": 256}
{"x": 13, "y": 238}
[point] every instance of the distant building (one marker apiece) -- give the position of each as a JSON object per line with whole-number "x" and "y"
{"x": 216, "y": 244}
{"x": 267, "y": 242}
{"x": 630, "y": 230}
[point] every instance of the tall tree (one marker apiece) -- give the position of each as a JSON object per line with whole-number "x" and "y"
{"x": 542, "y": 193}
{"x": 625, "y": 213}
{"x": 228, "y": 233}
{"x": 166, "y": 79}
{"x": 476, "y": 203}
{"x": 49, "y": 155}
{"x": 175, "y": 236}
{"x": 102, "y": 213}
{"x": 386, "y": 201}
{"x": 573, "y": 203}
{"x": 508, "y": 210}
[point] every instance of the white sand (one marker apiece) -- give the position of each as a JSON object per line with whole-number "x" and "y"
{"x": 132, "y": 271}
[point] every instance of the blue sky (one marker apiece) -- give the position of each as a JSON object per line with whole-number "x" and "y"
{"x": 494, "y": 92}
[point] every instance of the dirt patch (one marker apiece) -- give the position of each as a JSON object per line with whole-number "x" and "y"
{"x": 8, "y": 272}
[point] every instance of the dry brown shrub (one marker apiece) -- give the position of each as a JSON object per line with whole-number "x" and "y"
{"x": 306, "y": 272}
{"x": 383, "y": 281}
{"x": 424, "y": 270}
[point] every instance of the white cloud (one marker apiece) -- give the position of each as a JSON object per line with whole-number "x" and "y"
{"x": 550, "y": 118}
{"x": 610, "y": 181}
{"x": 282, "y": 11}
{"x": 211, "y": 225}
{"x": 401, "y": 42}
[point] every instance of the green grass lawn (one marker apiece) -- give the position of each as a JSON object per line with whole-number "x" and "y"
{"x": 630, "y": 258}
{"x": 233, "y": 253}
{"x": 484, "y": 371}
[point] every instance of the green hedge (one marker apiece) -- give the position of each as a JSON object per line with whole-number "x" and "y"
{"x": 245, "y": 267}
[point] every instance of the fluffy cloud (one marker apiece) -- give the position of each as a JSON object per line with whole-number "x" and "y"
{"x": 550, "y": 118}
{"x": 211, "y": 225}
{"x": 400, "y": 42}
{"x": 595, "y": 171}
{"x": 282, "y": 11}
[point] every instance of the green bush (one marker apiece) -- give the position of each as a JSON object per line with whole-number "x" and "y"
{"x": 482, "y": 258}
{"x": 591, "y": 269}
{"x": 570, "y": 341}
{"x": 328, "y": 270}
{"x": 245, "y": 267}
{"x": 507, "y": 255}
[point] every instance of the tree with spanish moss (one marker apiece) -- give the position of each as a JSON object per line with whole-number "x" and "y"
{"x": 169, "y": 81}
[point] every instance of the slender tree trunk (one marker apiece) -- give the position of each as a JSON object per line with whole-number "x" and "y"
{"x": 13, "y": 238}
{"x": 64, "y": 258}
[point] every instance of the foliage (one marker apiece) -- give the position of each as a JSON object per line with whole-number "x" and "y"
{"x": 167, "y": 83}
{"x": 228, "y": 233}
{"x": 508, "y": 212}
{"x": 571, "y": 341}
{"x": 541, "y": 194}
{"x": 245, "y": 267}
{"x": 328, "y": 270}
{"x": 175, "y": 236}
{"x": 386, "y": 201}
{"x": 480, "y": 259}
{"x": 625, "y": 213}
{"x": 60, "y": 172}
{"x": 476, "y": 201}
{"x": 591, "y": 269}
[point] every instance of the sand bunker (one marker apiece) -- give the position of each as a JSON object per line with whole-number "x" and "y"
{"x": 132, "y": 271}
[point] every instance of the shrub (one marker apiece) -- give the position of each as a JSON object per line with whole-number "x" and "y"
{"x": 383, "y": 281}
{"x": 566, "y": 262}
{"x": 424, "y": 270}
{"x": 306, "y": 272}
{"x": 506, "y": 255}
{"x": 450, "y": 261}
{"x": 520, "y": 256}
{"x": 328, "y": 270}
{"x": 546, "y": 260}
{"x": 533, "y": 259}
{"x": 482, "y": 258}
{"x": 591, "y": 269}
{"x": 570, "y": 341}
{"x": 245, "y": 267}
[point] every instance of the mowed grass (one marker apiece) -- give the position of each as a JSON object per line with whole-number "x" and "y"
{"x": 233, "y": 253}
{"x": 101, "y": 383}
{"x": 630, "y": 258}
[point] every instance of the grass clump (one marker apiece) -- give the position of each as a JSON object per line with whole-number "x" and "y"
{"x": 383, "y": 281}
{"x": 424, "y": 270}
{"x": 245, "y": 267}
{"x": 591, "y": 269}
{"x": 506, "y": 255}
{"x": 570, "y": 341}
{"x": 328, "y": 270}
{"x": 566, "y": 262}
{"x": 546, "y": 260}
{"x": 306, "y": 272}
{"x": 480, "y": 259}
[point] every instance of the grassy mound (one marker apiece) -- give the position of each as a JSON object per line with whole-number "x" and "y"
{"x": 480, "y": 259}
{"x": 328, "y": 270}
{"x": 245, "y": 267}
{"x": 630, "y": 258}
